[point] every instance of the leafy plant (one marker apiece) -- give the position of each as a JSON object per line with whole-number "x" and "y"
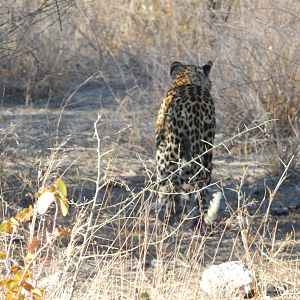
{"x": 18, "y": 281}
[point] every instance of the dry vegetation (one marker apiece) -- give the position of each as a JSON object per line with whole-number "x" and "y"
{"x": 81, "y": 82}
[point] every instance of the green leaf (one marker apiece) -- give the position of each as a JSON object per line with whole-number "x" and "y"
{"x": 61, "y": 187}
{"x": 145, "y": 296}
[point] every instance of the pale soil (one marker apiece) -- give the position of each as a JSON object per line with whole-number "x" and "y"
{"x": 30, "y": 135}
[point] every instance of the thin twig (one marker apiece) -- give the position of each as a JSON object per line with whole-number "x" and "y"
{"x": 89, "y": 228}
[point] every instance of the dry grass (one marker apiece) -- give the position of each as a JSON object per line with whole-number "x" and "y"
{"x": 67, "y": 61}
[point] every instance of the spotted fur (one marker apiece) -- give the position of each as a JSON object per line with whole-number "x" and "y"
{"x": 184, "y": 136}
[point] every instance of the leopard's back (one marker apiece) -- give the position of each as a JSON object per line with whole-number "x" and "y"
{"x": 184, "y": 136}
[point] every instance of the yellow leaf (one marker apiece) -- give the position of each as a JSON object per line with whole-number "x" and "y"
{"x": 15, "y": 268}
{"x": 61, "y": 187}
{"x": 25, "y": 214}
{"x": 40, "y": 192}
{"x": 64, "y": 205}
{"x": 52, "y": 189}
{"x": 14, "y": 295}
{"x": 16, "y": 278}
{"x": 36, "y": 297}
{"x": 4, "y": 282}
{"x": 12, "y": 285}
{"x": 38, "y": 292}
{"x": 29, "y": 274}
{"x": 22, "y": 274}
{"x": 2, "y": 255}
{"x": 28, "y": 258}
{"x": 14, "y": 221}
{"x": 6, "y": 227}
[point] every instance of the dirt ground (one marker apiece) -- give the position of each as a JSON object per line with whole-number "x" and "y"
{"x": 59, "y": 138}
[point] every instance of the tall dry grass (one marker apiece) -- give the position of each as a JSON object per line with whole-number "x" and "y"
{"x": 50, "y": 50}
{"x": 48, "y": 47}
{"x": 116, "y": 249}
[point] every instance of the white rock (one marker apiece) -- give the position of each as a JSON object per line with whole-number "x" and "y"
{"x": 227, "y": 279}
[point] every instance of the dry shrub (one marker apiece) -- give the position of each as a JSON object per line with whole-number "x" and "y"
{"x": 258, "y": 74}
{"x": 36, "y": 55}
{"x": 255, "y": 46}
{"x": 51, "y": 47}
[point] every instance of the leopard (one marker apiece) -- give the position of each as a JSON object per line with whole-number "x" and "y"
{"x": 184, "y": 136}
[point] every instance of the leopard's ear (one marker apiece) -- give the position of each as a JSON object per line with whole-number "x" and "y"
{"x": 175, "y": 67}
{"x": 207, "y": 67}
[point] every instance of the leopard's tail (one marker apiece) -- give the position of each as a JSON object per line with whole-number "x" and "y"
{"x": 213, "y": 209}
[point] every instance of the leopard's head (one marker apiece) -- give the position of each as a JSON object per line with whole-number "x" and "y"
{"x": 191, "y": 74}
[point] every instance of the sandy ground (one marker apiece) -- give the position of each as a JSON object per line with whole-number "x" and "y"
{"x": 60, "y": 138}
